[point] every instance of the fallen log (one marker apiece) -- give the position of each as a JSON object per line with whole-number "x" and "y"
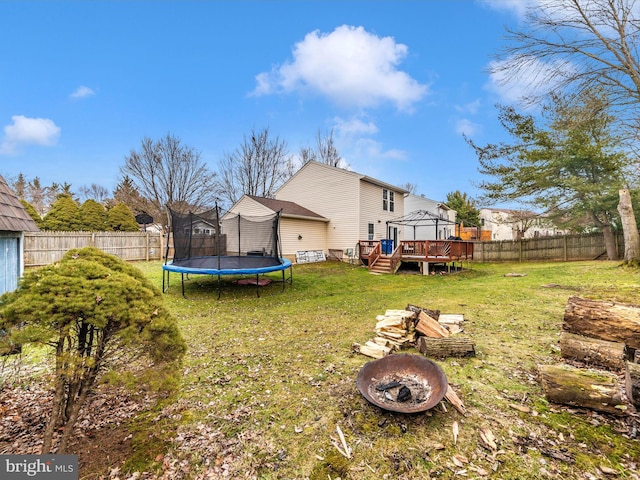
{"x": 580, "y": 387}
{"x": 632, "y": 383}
{"x": 446, "y": 347}
{"x": 614, "y": 322}
{"x": 593, "y": 351}
{"x": 430, "y": 327}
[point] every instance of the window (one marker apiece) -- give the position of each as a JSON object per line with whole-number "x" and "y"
{"x": 370, "y": 231}
{"x": 385, "y": 201}
{"x": 391, "y": 201}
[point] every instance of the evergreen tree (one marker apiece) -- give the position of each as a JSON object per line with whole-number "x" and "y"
{"x": 121, "y": 219}
{"x": 569, "y": 163}
{"x": 20, "y": 187}
{"x": 32, "y": 213}
{"x": 63, "y": 216}
{"x": 93, "y": 216}
{"x": 465, "y": 207}
{"x": 96, "y": 314}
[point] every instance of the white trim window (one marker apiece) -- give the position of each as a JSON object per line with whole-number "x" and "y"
{"x": 370, "y": 231}
{"x": 388, "y": 200}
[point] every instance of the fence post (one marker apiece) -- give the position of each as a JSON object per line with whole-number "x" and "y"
{"x": 520, "y": 250}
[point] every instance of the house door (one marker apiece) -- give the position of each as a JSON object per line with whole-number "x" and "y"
{"x": 393, "y": 235}
{"x": 9, "y": 265}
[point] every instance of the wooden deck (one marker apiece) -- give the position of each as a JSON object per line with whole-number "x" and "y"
{"x": 423, "y": 251}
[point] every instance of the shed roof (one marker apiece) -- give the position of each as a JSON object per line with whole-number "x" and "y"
{"x": 13, "y": 216}
{"x": 287, "y": 209}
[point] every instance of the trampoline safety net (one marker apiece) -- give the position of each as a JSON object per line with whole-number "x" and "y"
{"x": 207, "y": 235}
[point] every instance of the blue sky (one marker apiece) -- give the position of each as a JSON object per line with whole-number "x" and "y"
{"x": 81, "y": 83}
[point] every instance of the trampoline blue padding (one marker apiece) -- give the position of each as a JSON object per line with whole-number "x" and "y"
{"x": 228, "y": 265}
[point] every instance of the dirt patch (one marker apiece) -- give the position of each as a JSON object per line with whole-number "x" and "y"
{"x": 101, "y": 440}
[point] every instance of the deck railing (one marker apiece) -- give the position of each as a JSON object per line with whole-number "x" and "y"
{"x": 426, "y": 250}
{"x": 374, "y": 254}
{"x": 395, "y": 259}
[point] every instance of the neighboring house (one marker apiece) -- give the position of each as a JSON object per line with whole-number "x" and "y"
{"x": 300, "y": 228}
{"x": 506, "y": 224}
{"x": 14, "y": 221}
{"x": 432, "y": 220}
{"x": 356, "y": 207}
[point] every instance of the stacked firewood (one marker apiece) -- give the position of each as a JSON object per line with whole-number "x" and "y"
{"x": 432, "y": 333}
{"x": 600, "y": 343}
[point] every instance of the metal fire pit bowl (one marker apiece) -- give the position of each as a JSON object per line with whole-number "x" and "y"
{"x": 426, "y": 381}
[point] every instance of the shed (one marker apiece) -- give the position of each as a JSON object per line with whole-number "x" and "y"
{"x": 14, "y": 221}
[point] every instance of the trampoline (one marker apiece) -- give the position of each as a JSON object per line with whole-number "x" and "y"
{"x": 205, "y": 244}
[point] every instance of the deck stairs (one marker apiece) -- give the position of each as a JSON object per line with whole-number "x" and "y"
{"x": 383, "y": 265}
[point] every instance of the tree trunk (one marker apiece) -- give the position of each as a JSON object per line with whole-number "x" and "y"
{"x": 593, "y": 351}
{"x": 609, "y": 237}
{"x": 629, "y": 227}
{"x": 446, "y": 347}
{"x": 609, "y": 242}
{"x": 614, "y": 322}
{"x": 632, "y": 383}
{"x": 579, "y": 387}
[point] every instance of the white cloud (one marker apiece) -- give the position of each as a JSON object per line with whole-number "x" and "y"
{"x": 516, "y": 7}
{"x": 29, "y": 131}
{"x": 354, "y": 126}
{"x": 82, "y": 92}
{"x": 471, "y": 107}
{"x": 466, "y": 127}
{"x": 533, "y": 78}
{"x": 369, "y": 150}
{"x": 350, "y": 66}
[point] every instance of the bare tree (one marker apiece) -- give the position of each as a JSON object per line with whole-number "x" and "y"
{"x": 325, "y": 151}
{"x": 257, "y": 167}
{"x": 411, "y": 188}
{"x": 586, "y": 44}
{"x": 168, "y": 173}
{"x": 94, "y": 192}
{"x": 37, "y": 196}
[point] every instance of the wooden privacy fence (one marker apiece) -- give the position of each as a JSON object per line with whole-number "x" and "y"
{"x": 561, "y": 248}
{"x": 43, "y": 248}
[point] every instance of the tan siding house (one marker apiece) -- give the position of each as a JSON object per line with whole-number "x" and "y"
{"x": 356, "y": 206}
{"x": 300, "y": 228}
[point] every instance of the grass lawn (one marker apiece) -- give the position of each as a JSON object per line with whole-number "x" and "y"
{"x": 267, "y": 380}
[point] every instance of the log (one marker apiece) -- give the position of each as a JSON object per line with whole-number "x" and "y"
{"x": 370, "y": 350}
{"x": 432, "y": 313}
{"x": 451, "y": 319}
{"x": 580, "y": 387}
{"x": 614, "y": 322}
{"x": 632, "y": 383}
{"x": 593, "y": 351}
{"x": 430, "y": 327}
{"x": 446, "y": 347}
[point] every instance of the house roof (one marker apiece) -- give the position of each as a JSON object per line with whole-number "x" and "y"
{"x": 13, "y": 216}
{"x": 287, "y": 209}
{"x": 360, "y": 176}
